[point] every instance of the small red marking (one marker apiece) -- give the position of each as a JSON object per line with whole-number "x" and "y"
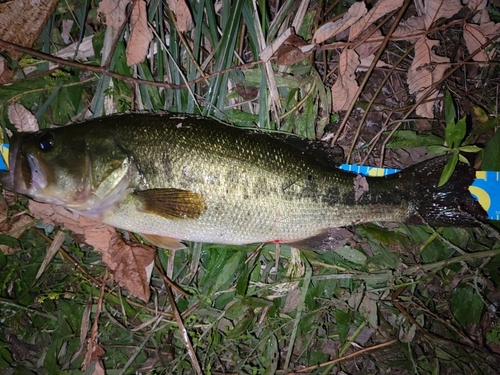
{"x": 276, "y": 241}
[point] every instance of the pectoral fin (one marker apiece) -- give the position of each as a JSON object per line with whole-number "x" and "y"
{"x": 172, "y": 204}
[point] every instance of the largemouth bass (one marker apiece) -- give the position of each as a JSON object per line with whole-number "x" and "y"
{"x": 196, "y": 179}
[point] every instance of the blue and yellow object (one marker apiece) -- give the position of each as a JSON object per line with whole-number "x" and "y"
{"x": 486, "y": 186}
{"x": 4, "y": 160}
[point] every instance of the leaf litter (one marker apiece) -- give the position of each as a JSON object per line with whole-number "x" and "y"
{"x": 390, "y": 298}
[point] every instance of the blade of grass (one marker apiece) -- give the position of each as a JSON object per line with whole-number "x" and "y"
{"x": 218, "y": 89}
{"x": 300, "y": 309}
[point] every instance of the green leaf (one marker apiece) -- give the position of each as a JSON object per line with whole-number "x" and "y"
{"x": 227, "y": 273}
{"x": 491, "y": 158}
{"x": 388, "y": 237}
{"x": 455, "y": 133}
{"x": 450, "y": 113}
{"x": 3, "y": 260}
{"x": 351, "y": 255}
{"x": 432, "y": 249}
{"x": 271, "y": 355}
{"x": 410, "y": 138}
{"x": 466, "y": 305}
{"x": 241, "y": 326}
{"x": 438, "y": 150}
{"x": 305, "y": 123}
{"x": 240, "y": 118}
{"x": 243, "y": 280}
{"x": 8, "y": 240}
{"x": 449, "y": 168}
{"x": 50, "y": 360}
{"x": 494, "y": 336}
{"x": 6, "y": 359}
{"x": 471, "y": 148}
{"x": 463, "y": 159}
{"x": 253, "y": 77}
{"x": 343, "y": 320}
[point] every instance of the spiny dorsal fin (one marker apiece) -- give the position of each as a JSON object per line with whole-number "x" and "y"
{"x": 172, "y": 203}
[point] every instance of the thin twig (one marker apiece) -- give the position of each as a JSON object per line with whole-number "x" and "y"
{"x": 183, "y": 332}
{"x": 102, "y": 70}
{"x": 170, "y": 283}
{"x": 381, "y": 50}
{"x": 344, "y": 358}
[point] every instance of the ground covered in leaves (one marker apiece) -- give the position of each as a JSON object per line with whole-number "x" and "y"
{"x": 391, "y": 82}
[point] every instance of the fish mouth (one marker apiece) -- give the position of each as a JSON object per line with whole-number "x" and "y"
{"x": 26, "y": 174}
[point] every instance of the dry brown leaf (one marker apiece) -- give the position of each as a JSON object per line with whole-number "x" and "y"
{"x": 380, "y": 9}
{"x": 426, "y": 69}
{"x": 99, "y": 368}
{"x": 271, "y": 49}
{"x": 430, "y": 11}
{"x": 329, "y": 29}
{"x": 295, "y": 40}
{"x": 4, "y": 214}
{"x": 51, "y": 253}
{"x": 92, "y": 360}
{"x": 289, "y": 55}
{"x": 23, "y": 120}
{"x": 365, "y": 63}
{"x": 292, "y": 299}
{"x": 5, "y": 72}
{"x": 367, "y": 48}
{"x": 18, "y": 227}
{"x": 477, "y": 35}
{"x": 133, "y": 265}
{"x": 130, "y": 263}
{"x": 140, "y": 35}
{"x": 433, "y": 10}
{"x": 83, "y": 51}
{"x": 289, "y": 52}
{"x": 181, "y": 10}
{"x": 411, "y": 28}
{"x": 476, "y": 4}
{"x": 114, "y": 11}
{"x": 345, "y": 88}
{"x": 247, "y": 93}
{"x": 483, "y": 17}
{"x": 22, "y": 21}
{"x": 360, "y": 187}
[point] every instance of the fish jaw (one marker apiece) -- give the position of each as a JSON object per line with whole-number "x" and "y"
{"x": 26, "y": 175}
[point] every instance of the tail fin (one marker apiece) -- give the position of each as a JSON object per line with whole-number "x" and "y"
{"x": 450, "y": 205}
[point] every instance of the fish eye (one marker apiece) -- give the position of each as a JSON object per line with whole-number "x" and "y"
{"x": 46, "y": 141}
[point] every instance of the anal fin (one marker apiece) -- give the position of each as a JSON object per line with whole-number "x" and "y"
{"x": 163, "y": 242}
{"x": 327, "y": 240}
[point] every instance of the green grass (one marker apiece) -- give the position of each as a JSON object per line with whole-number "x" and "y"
{"x": 397, "y": 299}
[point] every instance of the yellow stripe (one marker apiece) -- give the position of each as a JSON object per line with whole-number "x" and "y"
{"x": 5, "y": 155}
